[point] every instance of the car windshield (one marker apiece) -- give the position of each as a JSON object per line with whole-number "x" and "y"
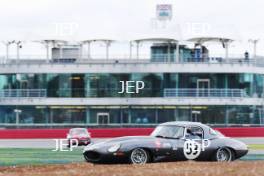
{"x": 167, "y": 131}
{"x": 78, "y": 132}
{"x": 215, "y": 133}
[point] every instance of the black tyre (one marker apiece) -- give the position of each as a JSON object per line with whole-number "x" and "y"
{"x": 224, "y": 154}
{"x": 139, "y": 156}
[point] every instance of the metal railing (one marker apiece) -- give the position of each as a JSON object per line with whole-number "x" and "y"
{"x": 116, "y": 125}
{"x": 227, "y": 93}
{"x": 16, "y": 93}
{"x": 103, "y": 92}
{"x": 167, "y": 92}
{"x": 259, "y": 61}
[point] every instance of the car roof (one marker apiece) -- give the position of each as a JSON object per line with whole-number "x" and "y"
{"x": 185, "y": 124}
{"x": 77, "y": 129}
{"x": 206, "y": 128}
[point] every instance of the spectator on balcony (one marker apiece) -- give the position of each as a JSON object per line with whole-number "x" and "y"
{"x": 145, "y": 120}
{"x": 246, "y": 56}
{"x": 138, "y": 120}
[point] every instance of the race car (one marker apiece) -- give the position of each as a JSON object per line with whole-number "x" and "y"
{"x": 78, "y": 135}
{"x": 171, "y": 141}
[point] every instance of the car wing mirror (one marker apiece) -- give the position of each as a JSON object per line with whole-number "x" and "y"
{"x": 187, "y": 136}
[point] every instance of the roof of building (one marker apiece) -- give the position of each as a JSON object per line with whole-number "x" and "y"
{"x": 158, "y": 39}
{"x": 98, "y": 40}
{"x": 209, "y": 39}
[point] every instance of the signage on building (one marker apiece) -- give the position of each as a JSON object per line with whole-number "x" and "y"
{"x": 164, "y": 11}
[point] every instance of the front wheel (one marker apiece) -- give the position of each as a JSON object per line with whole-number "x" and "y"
{"x": 139, "y": 156}
{"x": 223, "y": 155}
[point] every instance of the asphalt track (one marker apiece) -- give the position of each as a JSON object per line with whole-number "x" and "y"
{"x": 34, "y": 143}
{"x": 51, "y": 143}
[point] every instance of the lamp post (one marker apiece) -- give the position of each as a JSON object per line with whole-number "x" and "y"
{"x": 19, "y": 45}
{"x": 7, "y": 43}
{"x": 137, "y": 45}
{"x": 107, "y": 44}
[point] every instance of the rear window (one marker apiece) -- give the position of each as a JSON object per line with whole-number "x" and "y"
{"x": 78, "y": 131}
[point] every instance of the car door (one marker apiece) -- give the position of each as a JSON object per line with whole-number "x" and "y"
{"x": 171, "y": 153}
{"x": 177, "y": 148}
{"x": 191, "y": 145}
{"x": 174, "y": 146}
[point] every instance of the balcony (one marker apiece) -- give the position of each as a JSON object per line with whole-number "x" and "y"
{"x": 132, "y": 65}
{"x": 167, "y": 92}
{"x": 213, "y": 93}
{"x": 170, "y": 97}
{"x": 126, "y": 59}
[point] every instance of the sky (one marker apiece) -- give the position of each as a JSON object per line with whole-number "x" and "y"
{"x": 123, "y": 20}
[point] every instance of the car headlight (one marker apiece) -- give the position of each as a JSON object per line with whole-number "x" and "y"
{"x": 114, "y": 148}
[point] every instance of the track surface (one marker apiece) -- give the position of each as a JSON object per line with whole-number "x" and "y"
{"x": 50, "y": 143}
{"x": 33, "y": 143}
{"x": 241, "y": 168}
{"x": 39, "y": 151}
{"x": 80, "y": 168}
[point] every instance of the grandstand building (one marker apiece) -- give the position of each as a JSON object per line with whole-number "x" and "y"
{"x": 71, "y": 87}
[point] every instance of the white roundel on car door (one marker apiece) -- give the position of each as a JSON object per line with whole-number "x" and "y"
{"x": 191, "y": 149}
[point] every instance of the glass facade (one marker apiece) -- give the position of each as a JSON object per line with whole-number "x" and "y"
{"x": 108, "y": 85}
{"x": 131, "y": 115}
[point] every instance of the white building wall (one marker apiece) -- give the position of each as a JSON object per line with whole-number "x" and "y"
{"x": 130, "y": 68}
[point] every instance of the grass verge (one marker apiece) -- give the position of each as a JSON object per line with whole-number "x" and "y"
{"x": 256, "y": 146}
{"x": 19, "y": 156}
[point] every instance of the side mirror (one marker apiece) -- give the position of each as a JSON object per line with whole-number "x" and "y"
{"x": 187, "y": 136}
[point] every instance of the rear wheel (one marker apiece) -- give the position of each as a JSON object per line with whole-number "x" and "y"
{"x": 224, "y": 155}
{"x": 139, "y": 156}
